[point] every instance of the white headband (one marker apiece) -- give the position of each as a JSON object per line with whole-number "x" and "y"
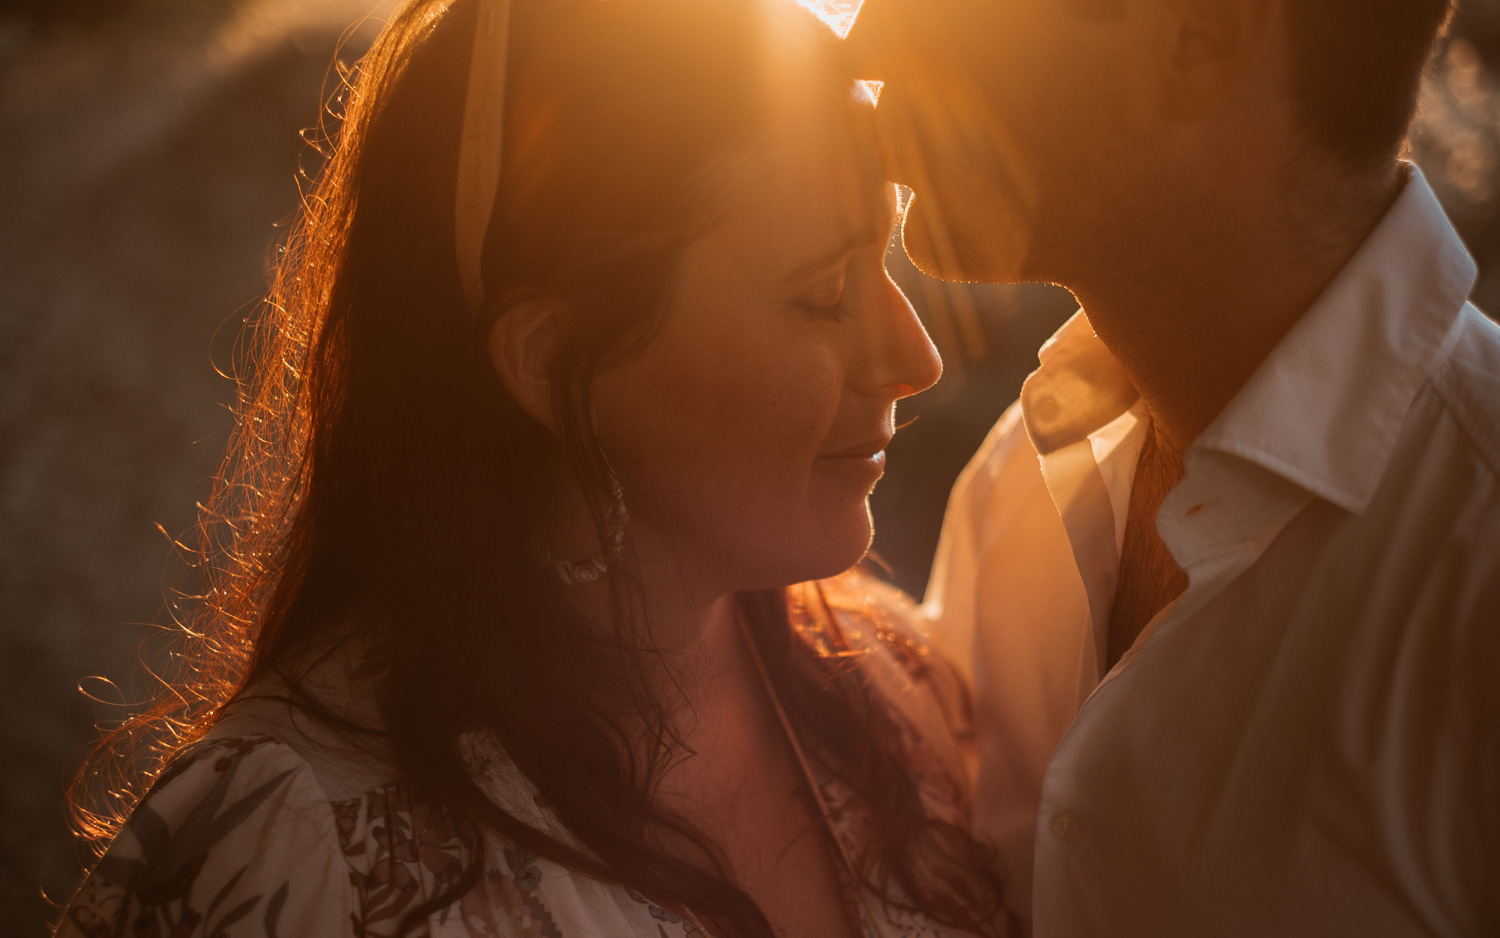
{"x": 479, "y": 147}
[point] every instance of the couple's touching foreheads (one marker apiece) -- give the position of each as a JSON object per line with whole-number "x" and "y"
{"x": 531, "y": 598}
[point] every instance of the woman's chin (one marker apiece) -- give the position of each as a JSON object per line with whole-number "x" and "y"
{"x": 827, "y": 548}
{"x": 840, "y": 545}
{"x": 834, "y": 567}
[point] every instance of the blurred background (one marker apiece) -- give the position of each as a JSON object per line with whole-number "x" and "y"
{"x": 148, "y": 151}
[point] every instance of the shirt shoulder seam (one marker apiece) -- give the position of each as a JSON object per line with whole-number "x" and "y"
{"x": 306, "y": 766}
{"x": 1455, "y": 401}
{"x": 302, "y": 768}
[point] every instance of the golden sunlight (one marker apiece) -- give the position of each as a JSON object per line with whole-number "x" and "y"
{"x": 836, "y": 13}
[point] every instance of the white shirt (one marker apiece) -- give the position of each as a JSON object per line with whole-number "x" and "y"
{"x": 1307, "y": 742}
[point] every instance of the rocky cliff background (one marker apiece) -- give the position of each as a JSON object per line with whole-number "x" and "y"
{"x": 148, "y": 150}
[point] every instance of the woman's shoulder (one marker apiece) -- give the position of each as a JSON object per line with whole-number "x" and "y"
{"x": 236, "y": 831}
{"x": 884, "y": 627}
{"x": 881, "y": 622}
{"x": 868, "y": 610}
{"x": 241, "y": 836}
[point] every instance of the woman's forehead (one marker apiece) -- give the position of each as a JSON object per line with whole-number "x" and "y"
{"x": 818, "y": 162}
{"x": 790, "y": 215}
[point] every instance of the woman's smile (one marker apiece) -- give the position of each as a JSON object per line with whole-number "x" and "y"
{"x": 863, "y": 463}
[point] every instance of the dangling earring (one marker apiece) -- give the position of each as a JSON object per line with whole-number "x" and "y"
{"x": 589, "y": 569}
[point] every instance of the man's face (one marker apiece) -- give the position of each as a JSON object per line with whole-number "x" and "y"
{"x": 1019, "y": 125}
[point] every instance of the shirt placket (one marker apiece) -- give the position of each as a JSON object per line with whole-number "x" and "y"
{"x": 1216, "y": 524}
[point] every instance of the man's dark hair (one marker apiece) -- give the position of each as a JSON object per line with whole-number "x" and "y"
{"x": 1358, "y": 66}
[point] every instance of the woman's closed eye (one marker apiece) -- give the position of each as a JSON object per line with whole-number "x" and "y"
{"x": 827, "y": 300}
{"x": 836, "y": 310}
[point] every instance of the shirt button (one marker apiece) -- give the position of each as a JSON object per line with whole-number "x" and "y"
{"x": 1065, "y": 826}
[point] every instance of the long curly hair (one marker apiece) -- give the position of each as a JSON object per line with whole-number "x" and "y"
{"x": 380, "y": 480}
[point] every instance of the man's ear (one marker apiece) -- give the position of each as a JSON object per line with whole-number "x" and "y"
{"x": 524, "y": 344}
{"x": 1208, "y": 49}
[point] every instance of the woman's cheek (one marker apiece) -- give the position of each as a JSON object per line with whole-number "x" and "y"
{"x": 695, "y": 422}
{"x": 717, "y": 431}
{"x": 799, "y": 400}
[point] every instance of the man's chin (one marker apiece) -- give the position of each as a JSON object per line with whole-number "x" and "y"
{"x": 948, "y": 252}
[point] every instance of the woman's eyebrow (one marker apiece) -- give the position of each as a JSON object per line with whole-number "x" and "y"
{"x": 828, "y": 260}
{"x": 876, "y": 231}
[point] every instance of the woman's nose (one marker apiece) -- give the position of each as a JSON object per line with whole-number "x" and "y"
{"x": 898, "y": 359}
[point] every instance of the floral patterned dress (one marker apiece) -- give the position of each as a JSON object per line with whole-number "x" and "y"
{"x": 249, "y": 834}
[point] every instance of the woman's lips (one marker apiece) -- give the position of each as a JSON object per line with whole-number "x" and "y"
{"x": 865, "y": 462}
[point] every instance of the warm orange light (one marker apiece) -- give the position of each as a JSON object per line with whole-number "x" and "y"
{"x": 836, "y": 13}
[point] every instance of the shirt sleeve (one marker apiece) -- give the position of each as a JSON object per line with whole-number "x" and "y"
{"x": 235, "y": 839}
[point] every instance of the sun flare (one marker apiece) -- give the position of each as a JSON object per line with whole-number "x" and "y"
{"x": 836, "y": 13}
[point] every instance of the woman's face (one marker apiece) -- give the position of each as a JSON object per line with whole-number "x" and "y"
{"x": 750, "y": 433}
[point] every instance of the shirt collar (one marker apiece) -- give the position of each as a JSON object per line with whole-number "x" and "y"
{"x": 1078, "y": 389}
{"x": 1324, "y": 409}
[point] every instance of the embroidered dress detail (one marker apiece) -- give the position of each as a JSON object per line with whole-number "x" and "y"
{"x": 240, "y": 838}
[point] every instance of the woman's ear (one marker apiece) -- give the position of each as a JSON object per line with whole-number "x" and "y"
{"x": 524, "y": 344}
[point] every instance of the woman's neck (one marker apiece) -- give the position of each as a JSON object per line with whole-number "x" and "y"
{"x": 685, "y": 615}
